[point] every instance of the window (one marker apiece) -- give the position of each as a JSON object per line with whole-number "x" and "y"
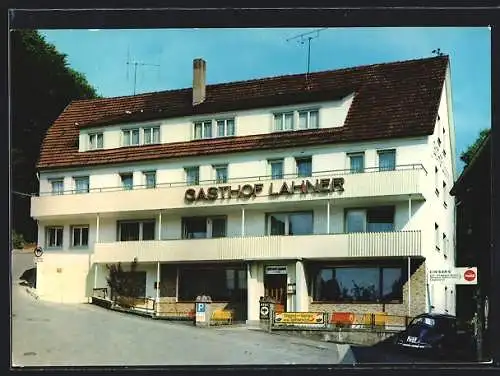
{"x": 308, "y": 119}
{"x": 96, "y": 141}
{"x": 203, "y": 227}
{"x": 283, "y": 121}
{"x": 136, "y": 230}
{"x": 203, "y": 129}
{"x": 221, "y": 283}
{"x": 80, "y": 236}
{"x": 130, "y": 137}
{"x": 299, "y": 223}
{"x": 304, "y": 167}
{"x": 152, "y": 135}
{"x": 82, "y": 184}
{"x": 150, "y": 179}
{"x": 225, "y": 128}
{"x": 436, "y": 179}
{"x": 192, "y": 175}
{"x": 220, "y": 174}
{"x": 376, "y": 219}
{"x": 436, "y": 236}
{"x": 439, "y": 141}
{"x": 445, "y": 195}
{"x": 54, "y": 237}
{"x": 359, "y": 284}
{"x": 387, "y": 160}
{"x": 357, "y": 162}
{"x": 57, "y": 186}
{"x": 276, "y": 169}
{"x": 127, "y": 181}
{"x": 445, "y": 245}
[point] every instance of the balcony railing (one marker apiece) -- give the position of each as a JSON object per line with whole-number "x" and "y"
{"x": 402, "y": 181}
{"x": 358, "y": 245}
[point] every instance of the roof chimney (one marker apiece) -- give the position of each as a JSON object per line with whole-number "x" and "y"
{"x": 199, "y": 76}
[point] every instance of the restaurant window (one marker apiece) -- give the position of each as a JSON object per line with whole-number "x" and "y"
{"x": 192, "y": 175}
{"x": 150, "y": 179}
{"x": 220, "y": 174}
{"x": 304, "y": 167}
{"x": 54, "y": 236}
{"x": 359, "y": 284}
{"x": 80, "y": 236}
{"x": 204, "y": 227}
{"x": 276, "y": 169}
{"x": 298, "y": 223}
{"x": 96, "y": 141}
{"x": 387, "y": 160}
{"x": 81, "y": 184}
{"x": 127, "y": 180}
{"x": 220, "y": 283}
{"x": 57, "y": 186}
{"x": 376, "y": 219}
{"x": 136, "y": 230}
{"x": 356, "y": 162}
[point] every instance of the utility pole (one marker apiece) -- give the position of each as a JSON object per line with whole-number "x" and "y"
{"x": 302, "y": 38}
{"x": 136, "y": 64}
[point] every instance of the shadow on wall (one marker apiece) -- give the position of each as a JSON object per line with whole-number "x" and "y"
{"x": 28, "y": 278}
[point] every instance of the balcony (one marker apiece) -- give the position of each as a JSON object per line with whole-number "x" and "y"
{"x": 357, "y": 245}
{"x": 336, "y": 184}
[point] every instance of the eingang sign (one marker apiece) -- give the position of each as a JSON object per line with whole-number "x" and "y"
{"x": 303, "y": 319}
{"x": 326, "y": 185}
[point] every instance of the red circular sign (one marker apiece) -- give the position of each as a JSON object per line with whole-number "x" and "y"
{"x": 469, "y": 275}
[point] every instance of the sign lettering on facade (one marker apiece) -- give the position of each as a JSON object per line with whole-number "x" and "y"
{"x": 457, "y": 276}
{"x": 246, "y": 191}
{"x": 316, "y": 319}
{"x": 276, "y": 269}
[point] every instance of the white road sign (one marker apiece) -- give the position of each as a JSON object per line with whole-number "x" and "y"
{"x": 457, "y": 276}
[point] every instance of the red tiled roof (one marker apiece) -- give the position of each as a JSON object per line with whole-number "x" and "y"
{"x": 392, "y": 100}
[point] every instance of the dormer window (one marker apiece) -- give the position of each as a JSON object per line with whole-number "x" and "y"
{"x": 130, "y": 137}
{"x": 214, "y": 128}
{"x": 296, "y": 120}
{"x": 151, "y": 135}
{"x": 96, "y": 141}
{"x": 308, "y": 119}
{"x": 283, "y": 121}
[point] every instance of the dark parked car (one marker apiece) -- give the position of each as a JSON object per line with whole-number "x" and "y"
{"x": 436, "y": 335}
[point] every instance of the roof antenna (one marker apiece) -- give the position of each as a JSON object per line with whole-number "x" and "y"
{"x": 136, "y": 64}
{"x": 307, "y": 37}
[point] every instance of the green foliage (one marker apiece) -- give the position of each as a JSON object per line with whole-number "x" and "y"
{"x": 42, "y": 86}
{"x": 471, "y": 150}
{"x": 123, "y": 283}
{"x": 18, "y": 241}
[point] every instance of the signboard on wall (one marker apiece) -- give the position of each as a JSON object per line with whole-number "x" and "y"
{"x": 302, "y": 319}
{"x": 457, "y": 276}
{"x": 276, "y": 269}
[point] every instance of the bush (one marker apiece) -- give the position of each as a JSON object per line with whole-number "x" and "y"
{"x": 18, "y": 241}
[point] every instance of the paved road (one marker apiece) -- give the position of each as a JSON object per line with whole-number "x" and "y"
{"x": 52, "y": 334}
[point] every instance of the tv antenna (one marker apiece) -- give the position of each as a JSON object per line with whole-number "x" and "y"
{"x": 136, "y": 64}
{"x": 307, "y": 37}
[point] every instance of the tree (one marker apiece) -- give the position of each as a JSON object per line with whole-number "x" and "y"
{"x": 471, "y": 150}
{"x": 42, "y": 86}
{"x": 124, "y": 284}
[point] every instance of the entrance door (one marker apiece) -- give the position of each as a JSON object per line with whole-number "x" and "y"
{"x": 275, "y": 287}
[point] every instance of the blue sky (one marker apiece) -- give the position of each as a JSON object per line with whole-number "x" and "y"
{"x": 241, "y": 54}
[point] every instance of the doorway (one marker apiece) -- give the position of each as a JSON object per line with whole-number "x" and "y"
{"x": 275, "y": 287}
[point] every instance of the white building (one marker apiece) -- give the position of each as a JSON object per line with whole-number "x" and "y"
{"x": 318, "y": 190}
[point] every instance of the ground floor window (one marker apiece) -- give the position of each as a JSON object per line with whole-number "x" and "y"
{"x": 358, "y": 284}
{"x": 221, "y": 284}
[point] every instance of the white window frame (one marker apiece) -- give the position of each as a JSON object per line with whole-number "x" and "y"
{"x": 308, "y": 118}
{"x": 141, "y": 231}
{"x": 93, "y": 139}
{"x": 47, "y": 237}
{"x": 225, "y": 127}
{"x": 81, "y": 178}
{"x": 191, "y": 168}
{"x": 146, "y": 174}
{"x": 151, "y": 130}
{"x": 283, "y": 115}
{"x": 54, "y": 181}
{"x": 130, "y": 133}
{"x": 203, "y": 124}
{"x": 281, "y": 161}
{"x": 79, "y": 227}
{"x": 217, "y": 167}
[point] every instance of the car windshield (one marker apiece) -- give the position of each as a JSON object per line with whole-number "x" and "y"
{"x": 428, "y": 321}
